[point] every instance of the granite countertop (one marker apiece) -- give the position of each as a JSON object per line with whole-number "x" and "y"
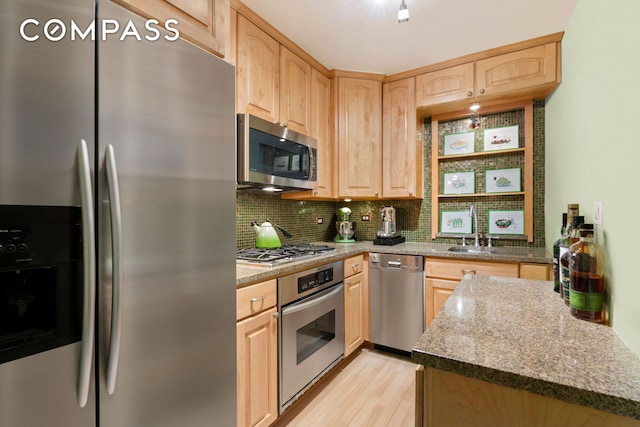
{"x": 518, "y": 333}
{"x": 246, "y": 274}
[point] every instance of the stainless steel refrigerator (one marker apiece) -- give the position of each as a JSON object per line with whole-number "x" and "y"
{"x": 117, "y": 213}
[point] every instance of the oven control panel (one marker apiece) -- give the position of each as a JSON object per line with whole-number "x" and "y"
{"x": 314, "y": 280}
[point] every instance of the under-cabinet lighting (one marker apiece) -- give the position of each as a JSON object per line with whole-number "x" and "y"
{"x": 474, "y": 107}
{"x": 271, "y": 189}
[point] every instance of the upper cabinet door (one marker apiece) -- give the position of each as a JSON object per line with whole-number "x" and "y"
{"x": 202, "y": 22}
{"x": 446, "y": 85}
{"x": 359, "y": 137}
{"x": 295, "y": 91}
{"x": 321, "y": 130}
{"x": 521, "y": 70}
{"x": 257, "y": 70}
{"x": 401, "y": 157}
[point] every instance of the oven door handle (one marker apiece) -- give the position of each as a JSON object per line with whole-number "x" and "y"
{"x": 313, "y": 301}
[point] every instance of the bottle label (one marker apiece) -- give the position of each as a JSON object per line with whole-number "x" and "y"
{"x": 586, "y": 301}
{"x": 564, "y": 275}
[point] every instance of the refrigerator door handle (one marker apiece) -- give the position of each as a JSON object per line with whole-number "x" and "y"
{"x": 116, "y": 254}
{"x": 89, "y": 261}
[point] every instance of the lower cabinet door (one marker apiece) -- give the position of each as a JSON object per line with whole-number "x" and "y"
{"x": 354, "y": 292}
{"x": 257, "y": 340}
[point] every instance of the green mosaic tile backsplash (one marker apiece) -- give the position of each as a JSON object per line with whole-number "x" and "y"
{"x": 413, "y": 216}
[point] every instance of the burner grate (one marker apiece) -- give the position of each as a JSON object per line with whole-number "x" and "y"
{"x": 285, "y": 253}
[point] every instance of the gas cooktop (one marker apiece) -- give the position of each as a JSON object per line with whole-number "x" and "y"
{"x": 281, "y": 255}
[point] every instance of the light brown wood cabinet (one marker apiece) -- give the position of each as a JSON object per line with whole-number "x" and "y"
{"x": 448, "y": 399}
{"x": 447, "y": 85}
{"x": 321, "y": 131}
{"x": 257, "y": 72}
{"x": 257, "y": 355}
{"x": 518, "y": 71}
{"x": 402, "y": 153}
{"x": 355, "y": 301}
{"x": 442, "y": 275}
{"x": 295, "y": 92}
{"x": 202, "y": 22}
{"x": 532, "y": 72}
{"x": 535, "y": 271}
{"x": 359, "y": 118}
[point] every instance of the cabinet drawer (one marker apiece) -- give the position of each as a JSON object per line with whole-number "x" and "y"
{"x": 353, "y": 265}
{"x": 455, "y": 268}
{"x": 255, "y": 298}
{"x": 534, "y": 271}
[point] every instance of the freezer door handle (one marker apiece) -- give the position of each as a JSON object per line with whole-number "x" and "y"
{"x": 116, "y": 254}
{"x": 89, "y": 261}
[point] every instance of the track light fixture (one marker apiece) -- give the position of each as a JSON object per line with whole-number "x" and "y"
{"x": 403, "y": 13}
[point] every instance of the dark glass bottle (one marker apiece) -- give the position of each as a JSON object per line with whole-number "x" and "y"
{"x": 556, "y": 254}
{"x": 586, "y": 271}
{"x": 574, "y": 236}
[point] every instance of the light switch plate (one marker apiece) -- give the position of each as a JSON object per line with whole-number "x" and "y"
{"x": 597, "y": 213}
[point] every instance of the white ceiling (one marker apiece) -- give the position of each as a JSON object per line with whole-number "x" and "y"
{"x": 364, "y": 35}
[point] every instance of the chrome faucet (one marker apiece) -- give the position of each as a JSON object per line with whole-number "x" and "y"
{"x": 474, "y": 214}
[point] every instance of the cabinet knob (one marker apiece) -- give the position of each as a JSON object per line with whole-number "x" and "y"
{"x": 276, "y": 314}
{"x": 469, "y": 93}
{"x": 355, "y": 266}
{"x": 481, "y": 91}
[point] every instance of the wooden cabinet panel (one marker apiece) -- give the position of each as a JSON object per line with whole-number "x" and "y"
{"x": 455, "y": 269}
{"x": 255, "y": 298}
{"x": 257, "y": 370}
{"x": 202, "y": 22}
{"x": 534, "y": 271}
{"x": 437, "y": 291}
{"x": 446, "y": 85}
{"x": 321, "y": 131}
{"x": 359, "y": 137}
{"x": 518, "y": 70}
{"x": 295, "y": 92}
{"x": 354, "y": 292}
{"x": 353, "y": 265}
{"x": 402, "y": 160}
{"x": 451, "y": 399}
{"x": 257, "y": 72}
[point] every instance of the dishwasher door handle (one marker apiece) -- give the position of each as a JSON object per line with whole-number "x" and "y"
{"x": 394, "y": 264}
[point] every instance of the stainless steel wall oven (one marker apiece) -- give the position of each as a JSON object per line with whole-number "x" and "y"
{"x": 311, "y": 329}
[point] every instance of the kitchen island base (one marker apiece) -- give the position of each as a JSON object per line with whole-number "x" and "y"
{"x": 449, "y": 399}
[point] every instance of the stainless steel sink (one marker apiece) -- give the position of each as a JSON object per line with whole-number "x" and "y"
{"x": 472, "y": 249}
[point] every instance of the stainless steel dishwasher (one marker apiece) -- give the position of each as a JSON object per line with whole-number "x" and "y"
{"x": 396, "y": 299}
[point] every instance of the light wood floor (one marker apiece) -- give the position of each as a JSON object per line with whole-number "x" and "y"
{"x": 375, "y": 389}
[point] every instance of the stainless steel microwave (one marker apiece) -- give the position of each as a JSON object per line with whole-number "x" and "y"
{"x": 274, "y": 158}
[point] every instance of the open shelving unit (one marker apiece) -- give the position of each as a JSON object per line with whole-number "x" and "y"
{"x": 526, "y": 150}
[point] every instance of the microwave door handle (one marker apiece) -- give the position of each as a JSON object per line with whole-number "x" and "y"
{"x": 311, "y": 157}
{"x": 89, "y": 266}
{"x": 117, "y": 284}
{"x": 294, "y": 308}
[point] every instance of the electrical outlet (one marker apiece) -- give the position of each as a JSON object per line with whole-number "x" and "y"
{"x": 597, "y": 213}
{"x": 319, "y": 221}
{"x": 366, "y": 217}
